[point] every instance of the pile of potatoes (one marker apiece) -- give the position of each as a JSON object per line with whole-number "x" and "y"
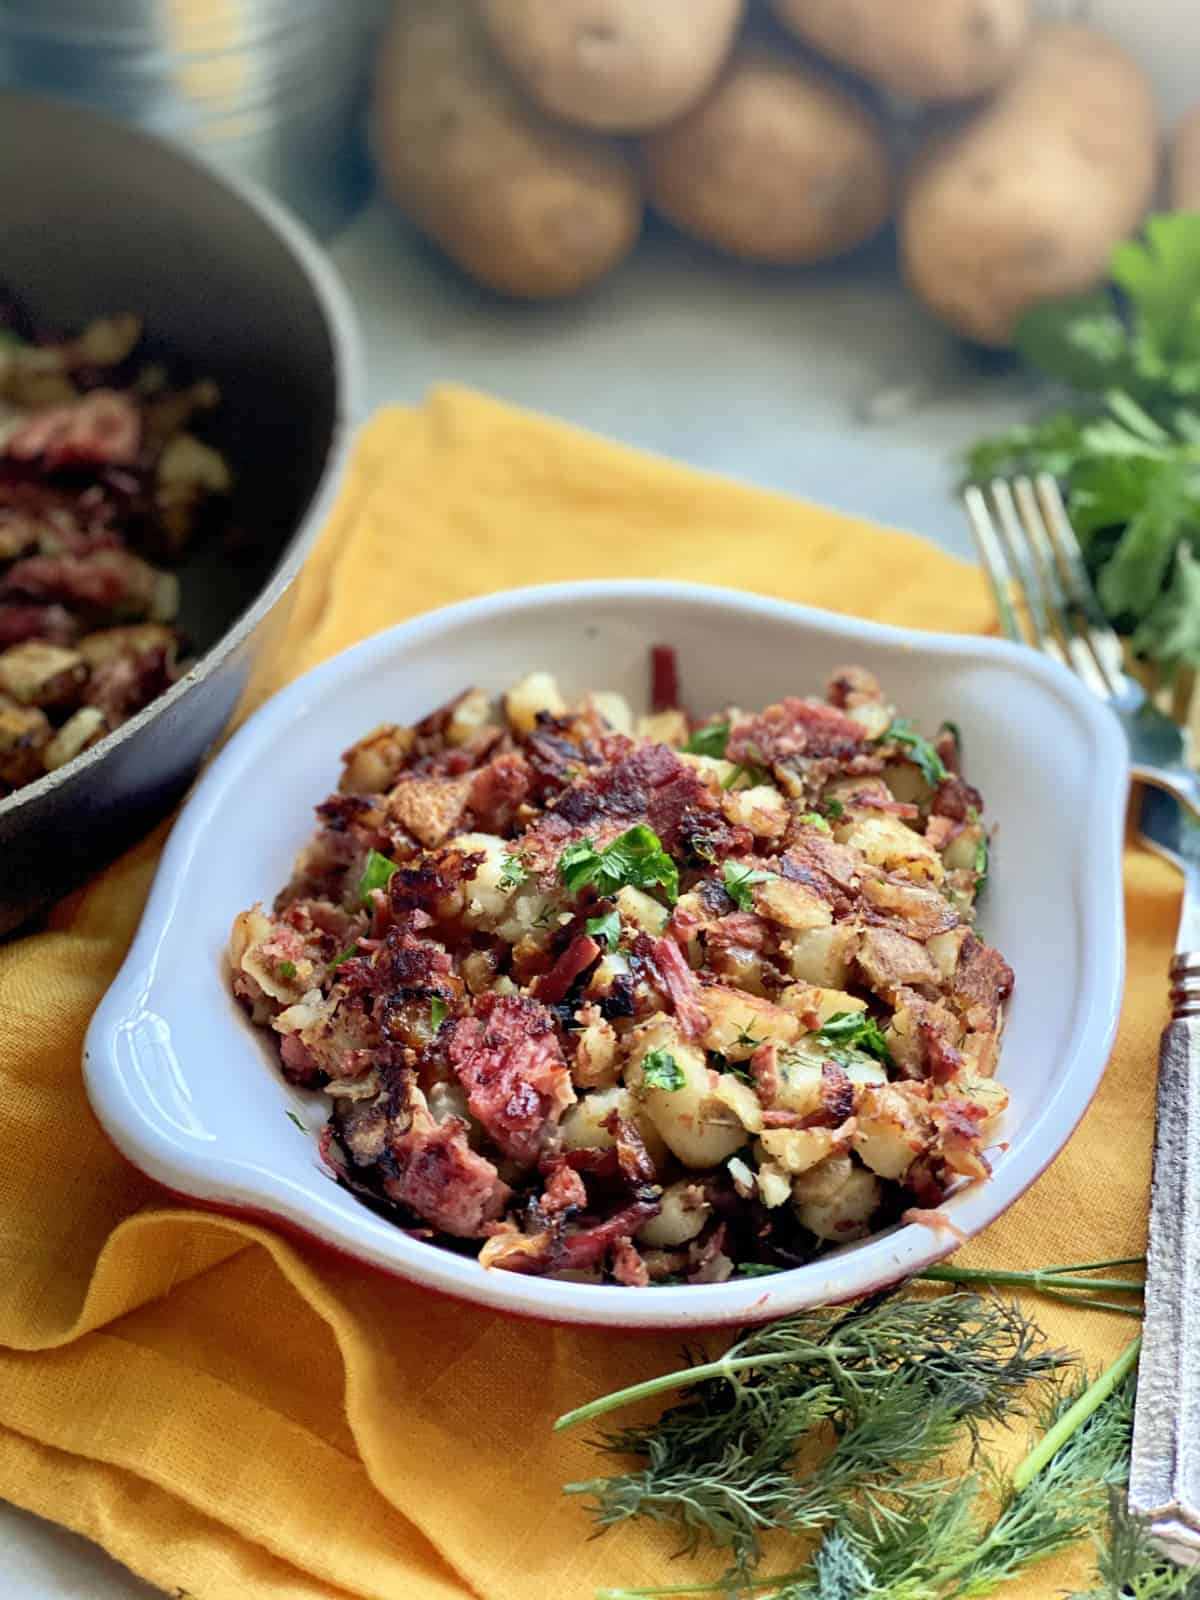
{"x": 526, "y": 137}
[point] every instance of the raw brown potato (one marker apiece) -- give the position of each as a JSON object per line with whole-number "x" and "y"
{"x": 934, "y": 50}
{"x": 1183, "y": 176}
{"x": 777, "y": 164}
{"x": 527, "y": 208}
{"x": 1025, "y": 201}
{"x": 616, "y": 65}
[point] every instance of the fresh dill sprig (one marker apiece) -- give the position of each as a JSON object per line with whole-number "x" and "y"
{"x": 892, "y": 1382}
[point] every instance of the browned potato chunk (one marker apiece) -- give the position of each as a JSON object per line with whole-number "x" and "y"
{"x": 39, "y": 674}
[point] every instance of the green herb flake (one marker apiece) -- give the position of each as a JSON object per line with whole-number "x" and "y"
{"x": 292, "y": 1117}
{"x": 606, "y": 929}
{"x": 376, "y": 874}
{"x": 513, "y": 873}
{"x": 756, "y": 1269}
{"x": 637, "y": 860}
{"x": 982, "y": 855}
{"x": 835, "y": 809}
{"x": 660, "y": 1070}
{"x": 953, "y": 729}
{"x": 740, "y": 881}
{"x": 918, "y": 750}
{"x": 755, "y": 776}
{"x": 814, "y": 819}
{"x": 858, "y": 1031}
{"x": 709, "y": 741}
{"x": 437, "y": 1012}
{"x": 287, "y": 970}
{"x": 344, "y": 955}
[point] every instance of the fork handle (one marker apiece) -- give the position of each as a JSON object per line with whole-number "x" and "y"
{"x": 1164, "y": 1478}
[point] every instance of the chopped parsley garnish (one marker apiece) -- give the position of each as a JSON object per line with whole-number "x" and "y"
{"x": 287, "y": 969}
{"x": 344, "y": 955}
{"x": 660, "y": 1070}
{"x": 755, "y": 1269}
{"x": 292, "y": 1117}
{"x": 953, "y": 729}
{"x": 740, "y": 881}
{"x": 858, "y": 1031}
{"x": 710, "y": 741}
{"x": 437, "y": 1012}
{"x": 376, "y": 874}
{"x": 513, "y": 874}
{"x": 982, "y": 852}
{"x": 814, "y": 819}
{"x": 920, "y": 752}
{"x": 637, "y": 859}
{"x": 754, "y": 775}
{"x": 606, "y": 930}
{"x": 834, "y": 809}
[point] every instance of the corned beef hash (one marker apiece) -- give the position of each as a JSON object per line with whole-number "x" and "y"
{"x": 641, "y": 999}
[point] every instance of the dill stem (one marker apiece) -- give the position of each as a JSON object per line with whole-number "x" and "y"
{"x": 684, "y": 1377}
{"x": 1037, "y": 1278}
{"x": 1075, "y": 1416}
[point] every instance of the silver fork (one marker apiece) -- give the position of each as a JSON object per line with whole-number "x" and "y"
{"x": 1027, "y": 544}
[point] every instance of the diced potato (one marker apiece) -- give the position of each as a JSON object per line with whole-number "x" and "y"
{"x": 470, "y": 712}
{"x": 903, "y": 1032}
{"x": 187, "y": 464}
{"x": 39, "y": 674}
{"x": 429, "y": 808}
{"x": 799, "y": 1074}
{"x": 373, "y": 764}
{"x": 642, "y": 910}
{"x": 699, "y": 1128}
{"x": 607, "y": 969}
{"x": 594, "y": 1064}
{"x": 985, "y": 1092}
{"x": 487, "y": 901}
{"x": 76, "y": 734}
{"x": 889, "y": 1136}
{"x": 614, "y": 708}
{"x": 668, "y": 727}
{"x": 717, "y": 774}
{"x": 132, "y": 638}
{"x": 815, "y": 1005}
{"x": 981, "y": 1052}
{"x": 945, "y": 949}
{"x": 538, "y": 692}
{"x": 888, "y": 843}
{"x": 960, "y": 854}
{"x": 846, "y": 1214}
{"x": 823, "y": 955}
{"x": 906, "y": 782}
{"x": 795, "y": 1150}
{"x": 582, "y": 1126}
{"x": 791, "y": 905}
{"x": 774, "y": 1185}
{"x": 685, "y": 1210}
{"x": 762, "y": 809}
{"x": 741, "y": 968}
{"x": 741, "y": 1100}
{"x": 249, "y": 928}
{"x": 873, "y": 716}
{"x": 739, "y": 1023}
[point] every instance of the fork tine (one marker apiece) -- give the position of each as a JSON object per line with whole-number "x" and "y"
{"x": 1025, "y": 569}
{"x": 994, "y": 560}
{"x": 1066, "y": 620}
{"x": 1103, "y": 643}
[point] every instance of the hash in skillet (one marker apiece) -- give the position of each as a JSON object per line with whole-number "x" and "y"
{"x": 636, "y": 999}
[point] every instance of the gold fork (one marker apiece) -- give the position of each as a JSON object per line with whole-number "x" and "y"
{"x": 1029, "y": 548}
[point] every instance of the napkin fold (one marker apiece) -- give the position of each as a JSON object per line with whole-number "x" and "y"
{"x": 233, "y": 1414}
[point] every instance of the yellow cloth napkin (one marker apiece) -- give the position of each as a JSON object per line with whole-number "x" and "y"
{"x": 236, "y": 1415}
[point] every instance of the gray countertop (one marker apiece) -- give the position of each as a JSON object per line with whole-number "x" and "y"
{"x": 829, "y": 384}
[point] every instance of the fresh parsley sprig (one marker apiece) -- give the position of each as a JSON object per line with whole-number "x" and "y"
{"x": 660, "y": 1070}
{"x": 855, "y": 1030}
{"x": 636, "y": 859}
{"x": 740, "y": 882}
{"x": 376, "y": 874}
{"x": 917, "y": 749}
{"x": 709, "y": 741}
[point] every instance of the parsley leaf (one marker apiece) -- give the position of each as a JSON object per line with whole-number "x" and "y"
{"x": 755, "y": 1269}
{"x": 814, "y": 819}
{"x": 376, "y": 874}
{"x": 292, "y": 1117}
{"x": 344, "y": 955}
{"x": 636, "y": 859}
{"x": 740, "y": 881}
{"x": 660, "y": 1070}
{"x": 709, "y": 741}
{"x": 953, "y": 729}
{"x": 919, "y": 750}
{"x": 753, "y": 775}
{"x": 834, "y": 809}
{"x": 1171, "y": 630}
{"x": 287, "y": 969}
{"x": 858, "y": 1031}
{"x": 513, "y": 874}
{"x": 437, "y": 1012}
{"x": 605, "y": 929}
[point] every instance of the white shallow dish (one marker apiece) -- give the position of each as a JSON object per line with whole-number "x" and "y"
{"x": 192, "y": 1094}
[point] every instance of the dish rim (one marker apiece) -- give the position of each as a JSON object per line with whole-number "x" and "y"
{"x": 349, "y": 382}
{"x": 240, "y": 1187}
